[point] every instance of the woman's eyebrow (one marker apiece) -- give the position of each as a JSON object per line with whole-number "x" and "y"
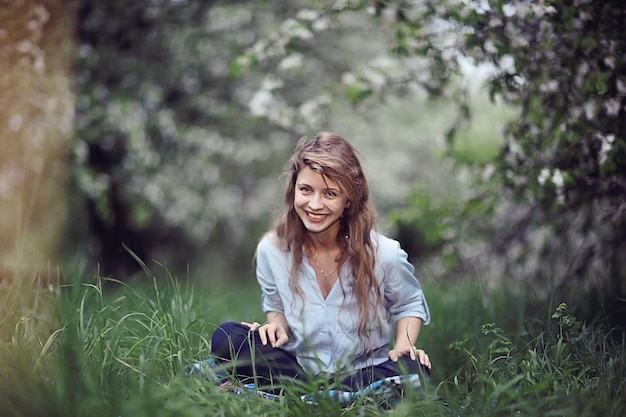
{"x": 304, "y": 184}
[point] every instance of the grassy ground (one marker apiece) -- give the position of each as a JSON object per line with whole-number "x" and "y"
{"x": 104, "y": 349}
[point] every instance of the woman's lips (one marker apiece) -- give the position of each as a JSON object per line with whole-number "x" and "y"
{"x": 316, "y": 217}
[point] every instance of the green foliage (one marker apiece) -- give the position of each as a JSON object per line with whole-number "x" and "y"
{"x": 563, "y": 159}
{"x": 554, "y": 195}
{"x": 430, "y": 220}
{"x": 563, "y": 368}
{"x": 167, "y": 157}
{"x": 112, "y": 348}
{"x": 234, "y": 77}
{"x": 29, "y": 339}
{"x": 569, "y": 91}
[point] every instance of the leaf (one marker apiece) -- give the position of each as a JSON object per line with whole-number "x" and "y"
{"x": 356, "y": 94}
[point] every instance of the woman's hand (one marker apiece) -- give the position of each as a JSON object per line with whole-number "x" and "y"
{"x": 270, "y": 332}
{"x": 411, "y": 351}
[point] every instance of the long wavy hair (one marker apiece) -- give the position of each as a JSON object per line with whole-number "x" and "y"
{"x": 334, "y": 158}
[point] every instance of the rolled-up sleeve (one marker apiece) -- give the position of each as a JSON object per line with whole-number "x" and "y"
{"x": 270, "y": 297}
{"x": 402, "y": 291}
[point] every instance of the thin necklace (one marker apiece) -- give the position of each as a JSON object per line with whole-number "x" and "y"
{"x": 326, "y": 276}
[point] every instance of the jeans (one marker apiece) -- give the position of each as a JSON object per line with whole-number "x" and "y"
{"x": 238, "y": 349}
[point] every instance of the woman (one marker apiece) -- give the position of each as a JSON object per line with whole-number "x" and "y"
{"x": 332, "y": 286}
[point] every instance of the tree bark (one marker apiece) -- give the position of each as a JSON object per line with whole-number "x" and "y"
{"x": 36, "y": 124}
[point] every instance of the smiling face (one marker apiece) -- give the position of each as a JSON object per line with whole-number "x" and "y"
{"x": 319, "y": 202}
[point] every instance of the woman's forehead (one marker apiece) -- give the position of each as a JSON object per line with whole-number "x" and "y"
{"x": 312, "y": 177}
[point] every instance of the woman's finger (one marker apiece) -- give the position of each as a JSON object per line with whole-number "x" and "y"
{"x": 253, "y": 326}
{"x": 423, "y": 358}
{"x": 281, "y": 340}
{"x": 263, "y": 334}
{"x": 271, "y": 336}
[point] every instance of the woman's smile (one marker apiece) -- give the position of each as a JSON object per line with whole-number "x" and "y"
{"x": 315, "y": 216}
{"x": 318, "y": 201}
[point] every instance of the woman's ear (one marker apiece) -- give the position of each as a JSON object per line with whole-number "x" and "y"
{"x": 347, "y": 208}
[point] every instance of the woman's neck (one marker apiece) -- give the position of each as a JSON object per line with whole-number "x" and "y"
{"x": 323, "y": 243}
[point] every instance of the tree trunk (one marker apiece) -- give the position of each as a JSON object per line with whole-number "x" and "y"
{"x": 36, "y": 123}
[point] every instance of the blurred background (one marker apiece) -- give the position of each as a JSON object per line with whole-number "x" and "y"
{"x": 493, "y": 139}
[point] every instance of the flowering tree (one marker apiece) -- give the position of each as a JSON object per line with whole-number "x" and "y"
{"x": 562, "y": 63}
{"x": 177, "y": 158}
{"x": 554, "y": 200}
{"x": 563, "y": 163}
{"x": 166, "y": 154}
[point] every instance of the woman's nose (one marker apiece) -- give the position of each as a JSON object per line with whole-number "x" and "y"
{"x": 316, "y": 202}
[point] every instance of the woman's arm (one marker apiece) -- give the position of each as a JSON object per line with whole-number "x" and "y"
{"x": 407, "y": 332}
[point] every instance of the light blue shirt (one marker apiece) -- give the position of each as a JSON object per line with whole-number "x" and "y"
{"x": 324, "y": 332}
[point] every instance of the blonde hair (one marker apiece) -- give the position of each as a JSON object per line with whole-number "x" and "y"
{"x": 334, "y": 158}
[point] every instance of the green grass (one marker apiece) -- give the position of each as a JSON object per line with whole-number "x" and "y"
{"x": 96, "y": 347}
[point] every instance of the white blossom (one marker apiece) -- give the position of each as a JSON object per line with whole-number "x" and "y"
{"x": 557, "y": 178}
{"x": 591, "y": 109}
{"x": 307, "y": 14}
{"x": 479, "y": 6}
{"x": 605, "y": 147}
{"x": 291, "y": 62}
{"x": 612, "y": 106}
{"x": 507, "y": 64}
{"x": 321, "y": 25}
{"x": 488, "y": 172}
{"x": 296, "y": 29}
{"x": 549, "y": 87}
{"x": 544, "y": 174}
{"x": 509, "y": 10}
{"x": 311, "y": 111}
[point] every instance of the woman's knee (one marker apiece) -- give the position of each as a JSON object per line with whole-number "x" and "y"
{"x": 404, "y": 366}
{"x": 410, "y": 366}
{"x": 228, "y": 337}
